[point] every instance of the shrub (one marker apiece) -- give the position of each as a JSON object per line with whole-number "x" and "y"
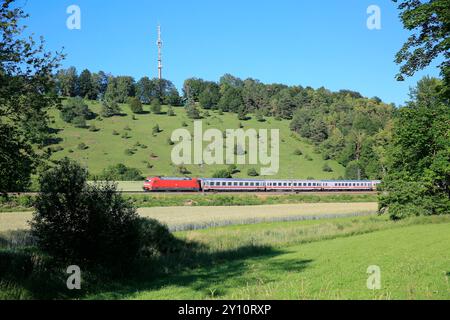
{"x": 308, "y": 157}
{"x": 115, "y": 133}
{"x": 135, "y": 105}
{"x": 79, "y": 223}
{"x": 156, "y": 129}
{"x": 224, "y": 174}
{"x": 127, "y": 128}
{"x": 75, "y": 108}
{"x": 121, "y": 172}
{"x": 170, "y": 112}
{"x": 183, "y": 170}
{"x": 82, "y": 146}
{"x": 79, "y": 122}
{"x": 184, "y": 124}
{"x": 109, "y": 109}
{"x": 170, "y": 142}
{"x": 327, "y": 168}
{"x": 252, "y": 172}
{"x": 232, "y": 169}
{"x": 129, "y": 152}
{"x": 156, "y": 238}
{"x": 192, "y": 111}
{"x": 93, "y": 128}
{"x": 298, "y": 152}
{"x": 155, "y": 106}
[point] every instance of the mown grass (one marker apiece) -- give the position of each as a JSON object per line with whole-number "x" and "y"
{"x": 324, "y": 259}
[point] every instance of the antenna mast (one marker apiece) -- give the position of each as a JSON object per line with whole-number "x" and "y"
{"x": 160, "y": 44}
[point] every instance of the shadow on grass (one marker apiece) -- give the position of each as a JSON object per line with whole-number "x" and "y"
{"x": 25, "y": 273}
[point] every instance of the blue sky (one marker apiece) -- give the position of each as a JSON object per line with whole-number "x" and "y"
{"x": 309, "y": 43}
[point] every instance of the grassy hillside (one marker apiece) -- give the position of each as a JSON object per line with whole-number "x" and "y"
{"x": 106, "y": 149}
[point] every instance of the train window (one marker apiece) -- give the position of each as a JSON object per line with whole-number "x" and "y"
{"x": 230, "y": 184}
{"x": 213, "y": 183}
{"x": 235, "y": 184}
{"x": 246, "y": 184}
{"x": 295, "y": 184}
{"x": 309, "y": 184}
{"x": 241, "y": 184}
{"x": 224, "y": 183}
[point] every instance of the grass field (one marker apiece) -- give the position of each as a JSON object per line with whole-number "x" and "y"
{"x": 312, "y": 260}
{"x": 199, "y": 217}
{"x": 106, "y": 149}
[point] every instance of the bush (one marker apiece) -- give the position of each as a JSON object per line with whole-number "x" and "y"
{"x": 298, "y": 152}
{"x": 129, "y": 152}
{"x": 156, "y": 238}
{"x": 135, "y": 105}
{"x": 170, "y": 142}
{"x": 80, "y": 223}
{"x": 115, "y": 133}
{"x": 155, "y": 106}
{"x": 76, "y": 108}
{"x": 170, "y": 112}
{"x": 109, "y": 109}
{"x": 156, "y": 129}
{"x": 93, "y": 128}
{"x": 224, "y": 174}
{"x": 121, "y": 172}
{"x": 252, "y": 172}
{"x": 308, "y": 157}
{"x": 79, "y": 122}
{"x": 82, "y": 146}
{"x": 327, "y": 168}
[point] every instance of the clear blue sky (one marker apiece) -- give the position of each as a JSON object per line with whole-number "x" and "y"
{"x": 309, "y": 43}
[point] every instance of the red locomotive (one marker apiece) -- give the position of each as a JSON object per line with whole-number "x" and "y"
{"x": 171, "y": 184}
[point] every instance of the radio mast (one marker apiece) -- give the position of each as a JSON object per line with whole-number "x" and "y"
{"x": 160, "y": 44}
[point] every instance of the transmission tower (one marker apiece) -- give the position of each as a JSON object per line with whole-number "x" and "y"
{"x": 160, "y": 44}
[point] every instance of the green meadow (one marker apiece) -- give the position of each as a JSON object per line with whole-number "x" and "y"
{"x": 314, "y": 259}
{"x": 151, "y": 153}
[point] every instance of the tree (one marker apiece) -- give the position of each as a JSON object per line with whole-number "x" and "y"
{"x": 85, "y": 85}
{"x": 155, "y": 107}
{"x": 418, "y": 157}
{"x": 75, "y": 108}
{"x": 121, "y": 172}
{"x": 109, "y": 109}
{"x": 120, "y": 88}
{"x": 210, "y": 96}
{"x": 192, "y": 111}
{"x": 430, "y": 21}
{"x": 145, "y": 90}
{"x": 28, "y": 90}
{"x": 67, "y": 82}
{"x": 135, "y": 105}
{"x": 231, "y": 99}
{"x": 192, "y": 88}
{"x": 99, "y": 85}
{"x": 87, "y": 223}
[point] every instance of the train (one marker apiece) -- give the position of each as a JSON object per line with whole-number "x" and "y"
{"x": 168, "y": 184}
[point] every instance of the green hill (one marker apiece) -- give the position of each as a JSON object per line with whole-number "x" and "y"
{"x": 151, "y": 153}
